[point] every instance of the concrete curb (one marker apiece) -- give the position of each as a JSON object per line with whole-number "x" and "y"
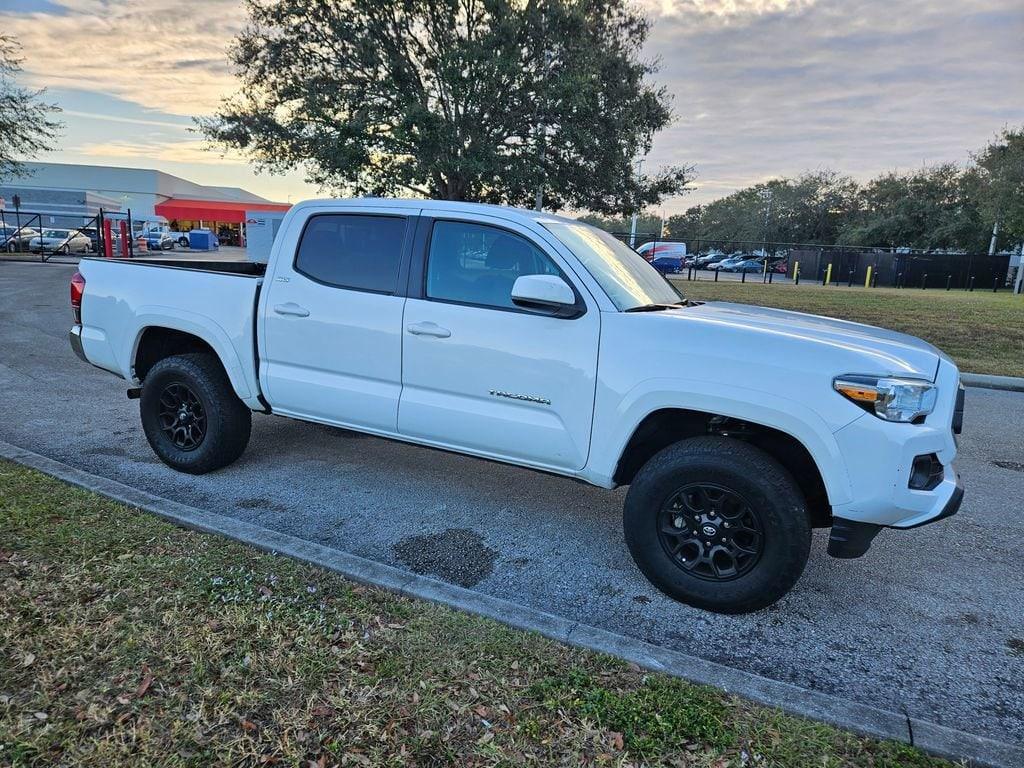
{"x": 870, "y": 721}
{"x": 988, "y": 381}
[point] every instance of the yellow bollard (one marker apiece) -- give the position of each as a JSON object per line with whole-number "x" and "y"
{"x": 867, "y": 279}
{"x": 828, "y": 275}
{"x": 796, "y": 269}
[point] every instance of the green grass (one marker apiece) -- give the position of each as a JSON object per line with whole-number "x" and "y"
{"x": 982, "y": 331}
{"x": 126, "y": 641}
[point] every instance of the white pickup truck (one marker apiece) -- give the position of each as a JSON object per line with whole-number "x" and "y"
{"x": 540, "y": 341}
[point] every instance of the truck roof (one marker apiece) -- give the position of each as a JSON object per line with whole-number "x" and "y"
{"x": 504, "y": 211}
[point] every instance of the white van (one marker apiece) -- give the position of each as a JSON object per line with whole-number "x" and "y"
{"x": 655, "y": 248}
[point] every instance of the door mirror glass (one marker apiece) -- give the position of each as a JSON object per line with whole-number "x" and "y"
{"x": 544, "y": 292}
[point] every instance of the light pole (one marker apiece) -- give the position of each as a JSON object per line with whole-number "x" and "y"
{"x": 1018, "y": 283}
{"x": 632, "y": 226}
{"x": 766, "y": 195}
{"x": 542, "y": 129}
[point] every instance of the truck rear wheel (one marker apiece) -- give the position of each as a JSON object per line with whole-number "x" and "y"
{"x": 719, "y": 524}
{"x": 192, "y": 417}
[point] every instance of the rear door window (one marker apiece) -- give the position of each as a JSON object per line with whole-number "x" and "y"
{"x": 353, "y": 251}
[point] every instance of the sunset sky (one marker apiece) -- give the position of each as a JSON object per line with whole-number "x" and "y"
{"x": 761, "y": 87}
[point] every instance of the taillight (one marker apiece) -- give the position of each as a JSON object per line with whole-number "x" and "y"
{"x": 77, "y": 291}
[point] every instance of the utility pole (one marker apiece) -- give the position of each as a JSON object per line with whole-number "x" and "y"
{"x": 632, "y": 227}
{"x": 542, "y": 130}
{"x": 1018, "y": 283}
{"x": 766, "y": 195}
{"x": 995, "y": 236}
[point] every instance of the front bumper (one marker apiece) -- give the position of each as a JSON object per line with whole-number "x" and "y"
{"x": 880, "y": 462}
{"x": 852, "y": 538}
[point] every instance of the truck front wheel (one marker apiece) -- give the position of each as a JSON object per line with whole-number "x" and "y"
{"x": 192, "y": 417}
{"x": 719, "y": 524}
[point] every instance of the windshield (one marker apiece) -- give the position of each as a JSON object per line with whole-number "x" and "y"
{"x": 623, "y": 273}
{"x": 55, "y": 233}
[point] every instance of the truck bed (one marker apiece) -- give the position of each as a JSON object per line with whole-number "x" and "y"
{"x": 250, "y": 268}
{"x": 214, "y": 301}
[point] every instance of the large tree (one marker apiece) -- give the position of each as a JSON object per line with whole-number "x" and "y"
{"x": 932, "y": 208}
{"x": 26, "y": 125}
{"x": 1001, "y": 184}
{"x": 646, "y": 224}
{"x": 484, "y": 100}
{"x": 809, "y": 209}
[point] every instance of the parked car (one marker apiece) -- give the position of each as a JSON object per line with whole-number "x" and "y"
{"x": 160, "y": 240}
{"x": 95, "y": 239}
{"x": 737, "y": 429}
{"x": 653, "y": 249}
{"x": 164, "y": 232}
{"x": 668, "y": 265}
{"x": 61, "y": 241}
{"x": 702, "y": 260}
{"x": 13, "y": 239}
{"x": 724, "y": 264}
{"x": 743, "y": 265}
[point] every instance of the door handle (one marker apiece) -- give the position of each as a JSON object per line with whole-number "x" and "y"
{"x": 291, "y": 309}
{"x": 428, "y": 329}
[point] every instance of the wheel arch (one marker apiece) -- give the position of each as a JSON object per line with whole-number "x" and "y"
{"x": 158, "y": 339}
{"x": 657, "y": 412}
{"x": 667, "y": 426}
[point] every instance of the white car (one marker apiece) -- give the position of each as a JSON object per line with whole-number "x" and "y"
{"x": 536, "y": 340}
{"x": 726, "y": 264}
{"x": 61, "y": 241}
{"x": 163, "y": 234}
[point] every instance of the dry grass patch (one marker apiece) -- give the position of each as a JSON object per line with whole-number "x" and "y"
{"x": 125, "y": 641}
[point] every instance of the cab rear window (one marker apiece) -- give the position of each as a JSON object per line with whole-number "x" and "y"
{"x": 362, "y": 253}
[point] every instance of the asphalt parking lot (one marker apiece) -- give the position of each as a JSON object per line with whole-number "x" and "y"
{"x": 930, "y": 622}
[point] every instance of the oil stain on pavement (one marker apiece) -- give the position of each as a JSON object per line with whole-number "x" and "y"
{"x": 456, "y": 555}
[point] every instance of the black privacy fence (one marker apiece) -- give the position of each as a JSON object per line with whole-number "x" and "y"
{"x": 837, "y": 265}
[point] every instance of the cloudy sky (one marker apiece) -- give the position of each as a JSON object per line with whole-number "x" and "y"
{"x": 761, "y": 88}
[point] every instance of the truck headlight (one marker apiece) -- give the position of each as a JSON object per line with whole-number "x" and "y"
{"x": 889, "y": 398}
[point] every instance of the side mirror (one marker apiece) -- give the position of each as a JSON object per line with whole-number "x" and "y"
{"x": 545, "y": 293}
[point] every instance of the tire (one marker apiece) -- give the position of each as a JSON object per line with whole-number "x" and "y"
{"x": 183, "y": 242}
{"x": 221, "y": 421}
{"x": 760, "y": 497}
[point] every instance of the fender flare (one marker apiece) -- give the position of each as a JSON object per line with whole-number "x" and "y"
{"x": 200, "y": 326}
{"x": 755, "y": 406}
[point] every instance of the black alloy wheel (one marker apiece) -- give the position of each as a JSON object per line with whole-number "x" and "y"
{"x": 192, "y": 417}
{"x": 182, "y": 416}
{"x": 711, "y": 532}
{"x": 717, "y": 523}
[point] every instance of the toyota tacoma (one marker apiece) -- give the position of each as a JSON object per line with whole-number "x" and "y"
{"x": 540, "y": 341}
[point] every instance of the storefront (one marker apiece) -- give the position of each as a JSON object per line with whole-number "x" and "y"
{"x": 226, "y": 219}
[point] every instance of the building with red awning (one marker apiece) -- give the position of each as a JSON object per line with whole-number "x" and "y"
{"x": 66, "y": 194}
{"x": 224, "y": 217}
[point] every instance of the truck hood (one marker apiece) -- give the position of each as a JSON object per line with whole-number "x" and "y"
{"x": 885, "y": 352}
